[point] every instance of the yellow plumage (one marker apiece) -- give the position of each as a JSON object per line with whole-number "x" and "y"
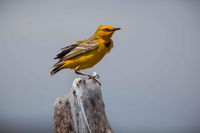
{"x": 88, "y": 59}
{"x": 85, "y": 54}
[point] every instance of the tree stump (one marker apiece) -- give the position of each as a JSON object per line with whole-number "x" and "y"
{"x": 82, "y": 109}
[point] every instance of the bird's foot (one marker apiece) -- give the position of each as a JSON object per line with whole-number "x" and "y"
{"x": 95, "y": 77}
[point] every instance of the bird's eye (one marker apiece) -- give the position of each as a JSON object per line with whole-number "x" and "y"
{"x": 106, "y": 29}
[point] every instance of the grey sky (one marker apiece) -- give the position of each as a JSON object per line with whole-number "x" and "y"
{"x": 150, "y": 80}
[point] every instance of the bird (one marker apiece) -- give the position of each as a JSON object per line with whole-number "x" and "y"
{"x": 86, "y": 53}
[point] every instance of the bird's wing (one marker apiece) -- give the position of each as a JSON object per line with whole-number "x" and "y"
{"x": 65, "y": 51}
{"x": 82, "y": 48}
{"x": 75, "y": 50}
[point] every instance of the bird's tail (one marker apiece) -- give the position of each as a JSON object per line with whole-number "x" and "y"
{"x": 57, "y": 68}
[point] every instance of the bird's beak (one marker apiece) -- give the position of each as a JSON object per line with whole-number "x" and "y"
{"x": 115, "y": 29}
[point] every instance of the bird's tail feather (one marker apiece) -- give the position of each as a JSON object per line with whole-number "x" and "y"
{"x": 56, "y": 69}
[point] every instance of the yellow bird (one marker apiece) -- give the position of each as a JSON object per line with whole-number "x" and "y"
{"x": 86, "y": 53}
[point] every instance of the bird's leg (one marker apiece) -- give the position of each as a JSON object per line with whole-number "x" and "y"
{"x": 90, "y": 76}
{"x": 81, "y": 73}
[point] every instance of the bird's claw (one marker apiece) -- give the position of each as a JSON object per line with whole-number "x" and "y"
{"x": 94, "y": 77}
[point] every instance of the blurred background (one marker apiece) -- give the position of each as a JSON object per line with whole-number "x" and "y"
{"x": 150, "y": 80}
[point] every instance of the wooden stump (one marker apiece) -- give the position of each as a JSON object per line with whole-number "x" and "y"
{"x": 82, "y": 110}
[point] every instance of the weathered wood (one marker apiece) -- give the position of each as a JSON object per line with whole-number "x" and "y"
{"x": 82, "y": 110}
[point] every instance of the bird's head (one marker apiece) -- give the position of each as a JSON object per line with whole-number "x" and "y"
{"x": 105, "y": 31}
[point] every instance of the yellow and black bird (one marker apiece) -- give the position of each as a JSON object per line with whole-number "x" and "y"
{"x": 86, "y": 53}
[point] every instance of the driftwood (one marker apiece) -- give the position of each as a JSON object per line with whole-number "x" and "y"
{"x": 82, "y": 110}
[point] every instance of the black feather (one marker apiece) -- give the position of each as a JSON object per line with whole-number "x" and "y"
{"x": 108, "y": 44}
{"x": 56, "y": 69}
{"x": 65, "y": 51}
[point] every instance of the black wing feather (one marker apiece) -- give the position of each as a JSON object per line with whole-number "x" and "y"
{"x": 65, "y": 51}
